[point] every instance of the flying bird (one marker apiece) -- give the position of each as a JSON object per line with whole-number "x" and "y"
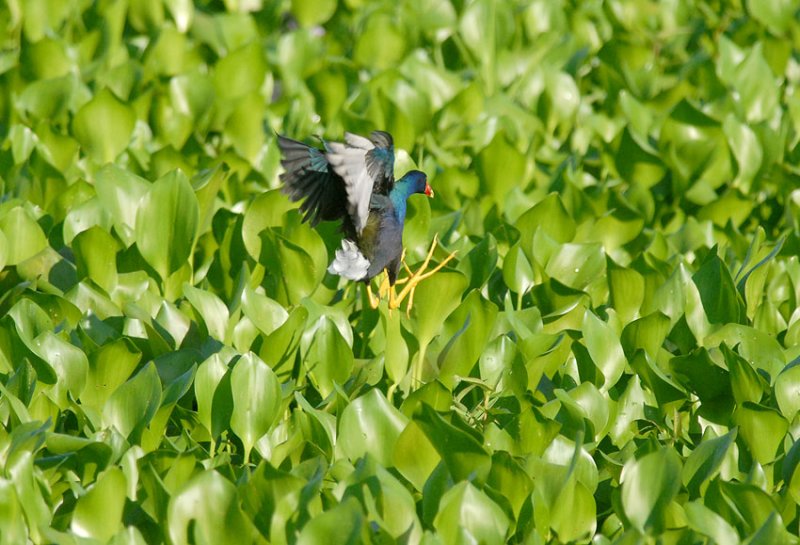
{"x": 353, "y": 182}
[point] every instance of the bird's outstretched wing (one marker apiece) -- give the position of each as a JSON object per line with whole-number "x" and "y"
{"x": 307, "y": 175}
{"x": 367, "y": 167}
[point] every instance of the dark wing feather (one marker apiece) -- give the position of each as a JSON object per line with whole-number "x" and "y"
{"x": 309, "y": 176}
{"x": 380, "y": 162}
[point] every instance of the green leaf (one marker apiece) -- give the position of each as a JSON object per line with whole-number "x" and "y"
{"x": 257, "y": 400}
{"x": 192, "y": 518}
{"x": 330, "y": 358}
{"x": 704, "y": 462}
{"x": 467, "y": 515}
{"x": 341, "y": 525}
{"x": 109, "y": 367}
{"x": 762, "y": 429}
{"x": 371, "y": 425}
{"x": 133, "y": 404}
{"x": 313, "y": 13}
{"x": 470, "y": 325}
{"x": 96, "y": 257}
{"x": 787, "y": 391}
{"x": 775, "y": 14}
{"x": 166, "y": 223}
{"x": 434, "y": 300}
{"x": 69, "y": 363}
{"x": 464, "y": 456}
{"x": 98, "y": 513}
{"x": 213, "y": 311}
{"x": 576, "y": 265}
{"x": 501, "y": 167}
{"x": 604, "y": 348}
{"x": 209, "y": 374}
{"x": 707, "y": 522}
{"x": 103, "y": 126}
{"x": 517, "y": 271}
{"x": 24, "y": 237}
{"x": 717, "y": 291}
{"x": 120, "y": 193}
{"x": 649, "y": 484}
{"x": 414, "y": 455}
{"x": 746, "y": 383}
{"x": 697, "y": 372}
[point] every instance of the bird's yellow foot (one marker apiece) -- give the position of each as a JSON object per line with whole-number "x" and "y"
{"x": 414, "y": 278}
{"x": 384, "y": 289}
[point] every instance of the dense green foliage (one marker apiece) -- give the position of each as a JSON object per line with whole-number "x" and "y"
{"x": 612, "y": 356}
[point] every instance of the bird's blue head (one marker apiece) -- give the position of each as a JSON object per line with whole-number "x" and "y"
{"x": 414, "y": 181}
{"x": 418, "y": 182}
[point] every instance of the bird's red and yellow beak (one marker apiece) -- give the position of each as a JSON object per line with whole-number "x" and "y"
{"x": 428, "y": 189}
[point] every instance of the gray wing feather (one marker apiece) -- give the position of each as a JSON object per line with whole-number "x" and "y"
{"x": 350, "y": 162}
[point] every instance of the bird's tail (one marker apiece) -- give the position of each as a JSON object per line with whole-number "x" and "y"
{"x": 309, "y": 176}
{"x": 349, "y": 262}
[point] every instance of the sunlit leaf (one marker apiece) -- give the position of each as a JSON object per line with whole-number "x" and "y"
{"x": 104, "y": 126}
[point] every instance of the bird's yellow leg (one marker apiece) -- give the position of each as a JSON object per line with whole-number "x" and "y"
{"x": 414, "y": 278}
{"x": 373, "y": 301}
{"x": 384, "y": 288}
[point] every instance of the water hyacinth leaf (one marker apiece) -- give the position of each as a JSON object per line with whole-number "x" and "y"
{"x": 434, "y": 300}
{"x": 109, "y": 367}
{"x": 396, "y": 352}
{"x": 467, "y": 514}
{"x": 746, "y": 383}
{"x": 213, "y": 311}
{"x": 762, "y": 429}
{"x": 330, "y": 358}
{"x": 69, "y": 363}
{"x": 704, "y": 462}
{"x": 414, "y": 455}
{"x": 604, "y": 348}
{"x": 656, "y": 380}
{"x": 95, "y": 256}
{"x": 517, "y": 271}
{"x": 707, "y": 522}
{"x": 697, "y": 372}
{"x": 341, "y": 525}
{"x": 576, "y": 265}
{"x": 627, "y": 290}
{"x": 508, "y": 477}
{"x": 464, "y": 456}
{"x": 266, "y": 210}
{"x": 265, "y": 313}
{"x": 717, "y": 291}
{"x": 754, "y": 82}
{"x": 649, "y": 484}
{"x": 647, "y": 333}
{"x": 501, "y": 167}
{"x": 256, "y": 402}
{"x": 133, "y": 404}
{"x": 746, "y": 149}
{"x": 166, "y": 223}
{"x": 209, "y": 374}
{"x": 15, "y": 526}
{"x": 479, "y": 264}
{"x": 103, "y": 126}
{"x": 120, "y": 192}
{"x": 191, "y": 518}
{"x": 371, "y": 425}
{"x": 98, "y": 513}
{"x": 775, "y": 14}
{"x": 787, "y": 391}
{"x": 471, "y": 325}
{"x": 288, "y": 260}
{"x": 24, "y": 237}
